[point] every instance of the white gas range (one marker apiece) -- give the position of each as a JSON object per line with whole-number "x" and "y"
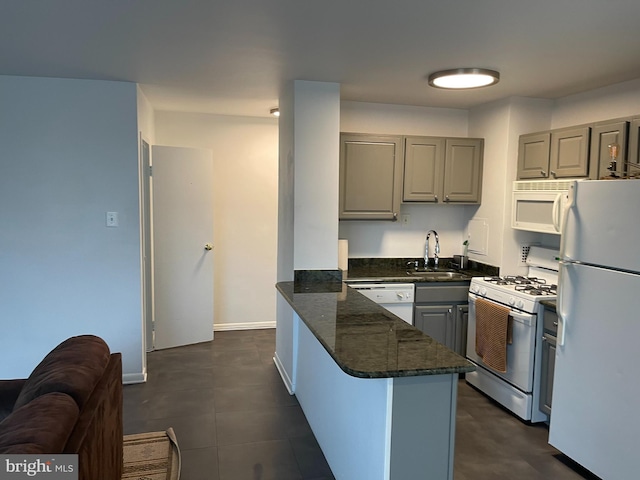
{"x": 519, "y": 388}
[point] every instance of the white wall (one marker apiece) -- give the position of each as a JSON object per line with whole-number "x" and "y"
{"x": 245, "y": 155}
{"x": 394, "y": 239}
{"x": 68, "y": 155}
{"x": 501, "y": 124}
{"x": 619, "y": 100}
{"x": 316, "y": 135}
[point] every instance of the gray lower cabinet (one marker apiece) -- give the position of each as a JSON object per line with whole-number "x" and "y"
{"x": 370, "y": 176}
{"x": 447, "y": 170}
{"x": 603, "y": 135}
{"x": 548, "y": 359}
{"x": 441, "y": 311}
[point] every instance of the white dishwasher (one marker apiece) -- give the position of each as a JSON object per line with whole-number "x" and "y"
{"x": 395, "y": 297}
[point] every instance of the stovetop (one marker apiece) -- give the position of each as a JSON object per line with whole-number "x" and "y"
{"x": 528, "y": 285}
{"x": 522, "y": 293}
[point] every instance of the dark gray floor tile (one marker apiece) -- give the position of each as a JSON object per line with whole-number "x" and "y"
{"x": 243, "y": 398}
{"x": 272, "y": 460}
{"x": 242, "y": 356}
{"x": 310, "y": 458}
{"x": 227, "y": 376}
{"x": 225, "y": 400}
{"x": 200, "y": 464}
{"x": 235, "y": 428}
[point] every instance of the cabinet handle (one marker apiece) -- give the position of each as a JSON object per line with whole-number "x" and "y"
{"x": 543, "y": 173}
{"x": 544, "y": 339}
{"x": 436, "y": 198}
{"x": 446, "y": 198}
{"x": 555, "y": 324}
{"x": 395, "y": 217}
{"x": 553, "y": 174}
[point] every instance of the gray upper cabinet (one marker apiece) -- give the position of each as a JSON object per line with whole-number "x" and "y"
{"x": 569, "y": 153}
{"x": 533, "y": 156}
{"x": 423, "y": 169}
{"x": 445, "y": 170}
{"x": 633, "y": 154}
{"x": 463, "y": 170}
{"x": 370, "y": 176}
{"x": 603, "y": 135}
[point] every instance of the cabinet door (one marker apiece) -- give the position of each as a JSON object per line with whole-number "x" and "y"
{"x": 602, "y": 136}
{"x": 633, "y": 155}
{"x": 423, "y": 169}
{"x": 370, "y": 177}
{"x": 533, "y": 156}
{"x": 570, "y": 153}
{"x": 546, "y": 377}
{"x": 437, "y": 322}
{"x": 462, "y": 322}
{"x": 463, "y": 170}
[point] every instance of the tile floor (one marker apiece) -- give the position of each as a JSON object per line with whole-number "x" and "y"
{"x": 234, "y": 420}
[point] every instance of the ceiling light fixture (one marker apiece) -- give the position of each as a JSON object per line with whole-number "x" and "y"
{"x": 275, "y": 111}
{"x": 463, "y": 78}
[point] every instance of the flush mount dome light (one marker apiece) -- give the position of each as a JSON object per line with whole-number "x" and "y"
{"x": 461, "y": 78}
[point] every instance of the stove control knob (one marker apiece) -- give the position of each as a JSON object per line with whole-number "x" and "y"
{"x": 400, "y": 295}
{"x": 520, "y": 304}
{"x": 483, "y": 291}
{"x": 475, "y": 289}
{"x": 512, "y": 301}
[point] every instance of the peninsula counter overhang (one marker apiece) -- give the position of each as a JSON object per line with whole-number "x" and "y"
{"x": 364, "y": 339}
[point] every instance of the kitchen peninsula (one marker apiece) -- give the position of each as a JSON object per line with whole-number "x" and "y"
{"x": 379, "y": 395}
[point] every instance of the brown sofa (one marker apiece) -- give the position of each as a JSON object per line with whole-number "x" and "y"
{"x": 71, "y": 403}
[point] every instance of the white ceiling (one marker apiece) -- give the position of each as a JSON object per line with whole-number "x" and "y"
{"x": 232, "y": 56}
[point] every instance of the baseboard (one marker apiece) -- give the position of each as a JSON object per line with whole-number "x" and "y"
{"x": 244, "y": 326}
{"x": 129, "y": 378}
{"x": 283, "y": 373}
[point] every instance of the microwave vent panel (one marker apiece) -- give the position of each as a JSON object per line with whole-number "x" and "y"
{"x": 542, "y": 185}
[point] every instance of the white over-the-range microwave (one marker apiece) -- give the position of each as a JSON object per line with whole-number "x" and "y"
{"x": 538, "y": 205}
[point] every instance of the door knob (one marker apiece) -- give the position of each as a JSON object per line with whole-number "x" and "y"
{"x": 208, "y": 246}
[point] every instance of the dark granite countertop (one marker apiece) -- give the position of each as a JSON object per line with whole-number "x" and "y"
{"x": 396, "y": 270}
{"x": 364, "y": 339}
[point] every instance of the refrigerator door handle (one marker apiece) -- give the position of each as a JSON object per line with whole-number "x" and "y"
{"x": 556, "y": 214}
{"x": 569, "y": 204}
{"x": 562, "y": 266}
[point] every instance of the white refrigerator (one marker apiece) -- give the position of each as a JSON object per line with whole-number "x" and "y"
{"x": 595, "y": 419}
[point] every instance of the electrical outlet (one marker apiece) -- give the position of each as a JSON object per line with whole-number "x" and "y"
{"x": 112, "y": 219}
{"x": 406, "y": 220}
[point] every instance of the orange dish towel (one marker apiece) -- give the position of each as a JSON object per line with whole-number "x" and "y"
{"x": 492, "y": 334}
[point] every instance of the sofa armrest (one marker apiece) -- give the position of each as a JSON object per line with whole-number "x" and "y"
{"x": 9, "y": 391}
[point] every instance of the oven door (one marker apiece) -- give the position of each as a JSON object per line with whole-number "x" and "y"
{"x": 520, "y": 353}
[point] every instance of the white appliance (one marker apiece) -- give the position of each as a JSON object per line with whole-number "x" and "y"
{"x": 397, "y": 298}
{"x": 519, "y": 388}
{"x": 594, "y": 419}
{"x": 538, "y": 205}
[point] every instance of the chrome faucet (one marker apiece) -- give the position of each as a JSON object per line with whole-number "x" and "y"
{"x": 436, "y": 251}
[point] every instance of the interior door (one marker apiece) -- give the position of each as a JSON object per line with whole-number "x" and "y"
{"x": 182, "y": 186}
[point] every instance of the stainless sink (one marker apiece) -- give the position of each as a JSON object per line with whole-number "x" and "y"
{"x": 438, "y": 274}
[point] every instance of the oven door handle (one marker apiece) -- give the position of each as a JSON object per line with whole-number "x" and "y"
{"x": 525, "y": 318}
{"x": 522, "y": 317}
